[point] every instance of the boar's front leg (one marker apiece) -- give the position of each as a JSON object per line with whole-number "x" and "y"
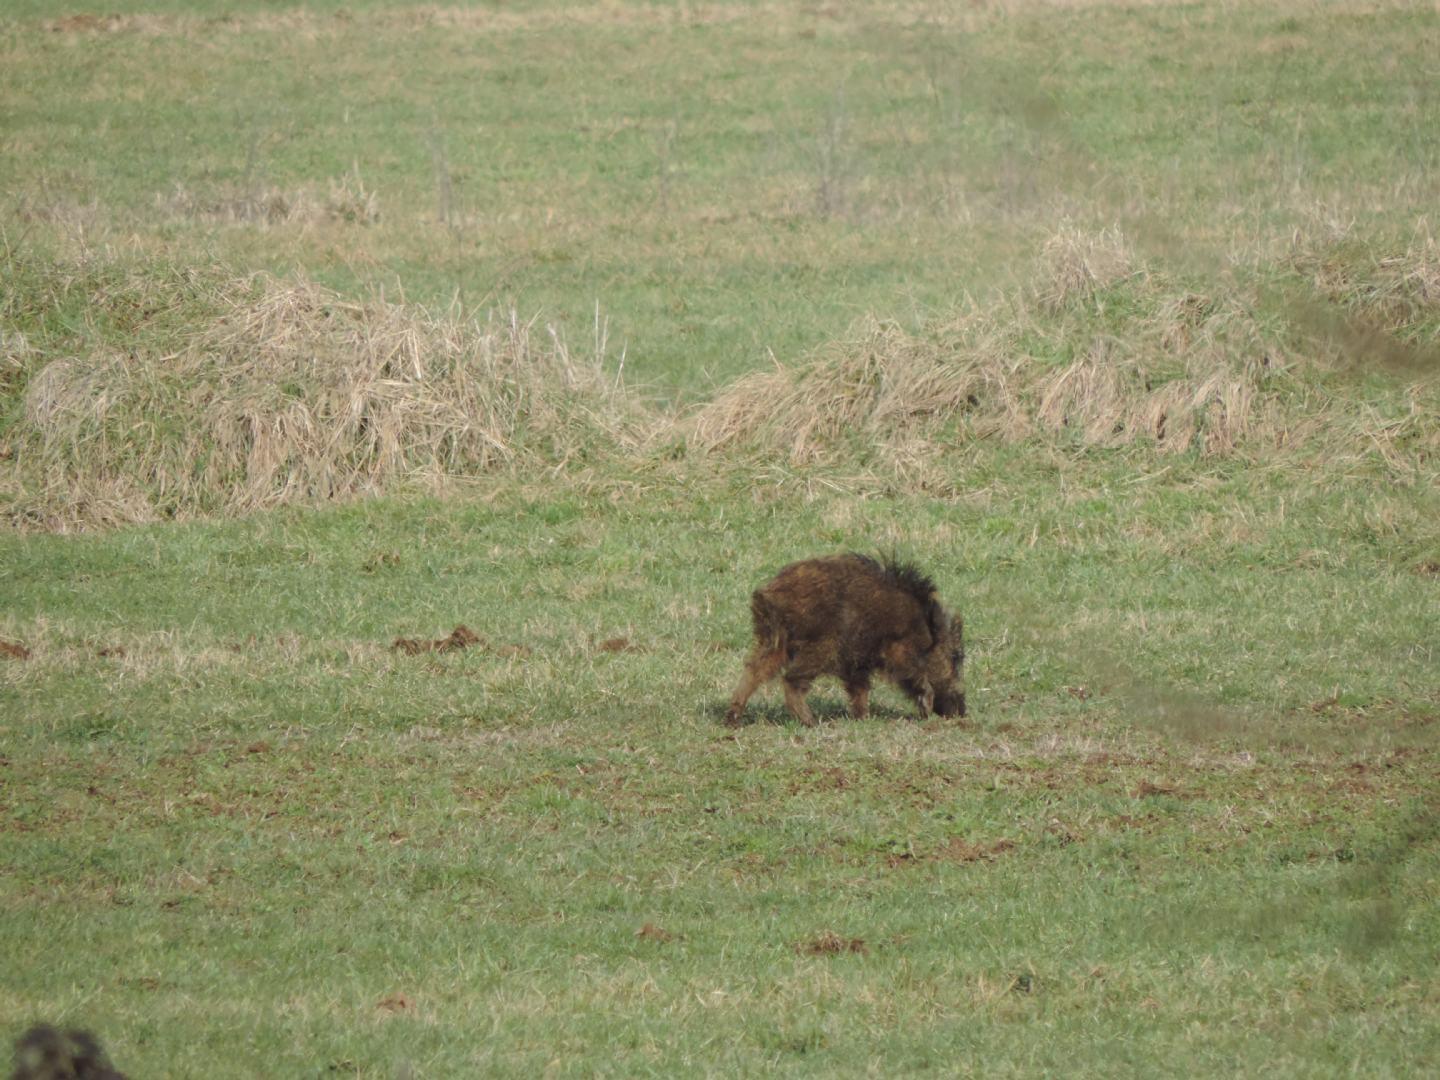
{"x": 921, "y": 693}
{"x": 858, "y": 688}
{"x": 925, "y": 701}
{"x": 795, "y": 688}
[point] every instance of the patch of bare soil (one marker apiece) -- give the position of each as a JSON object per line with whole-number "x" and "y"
{"x": 462, "y": 637}
{"x": 813, "y": 778}
{"x": 1129, "y": 821}
{"x": 964, "y": 851}
{"x": 116, "y": 652}
{"x": 1429, "y": 568}
{"x": 651, "y": 932}
{"x": 396, "y": 1003}
{"x": 618, "y": 645}
{"x": 1145, "y": 788}
{"x": 14, "y": 650}
{"x": 86, "y": 24}
{"x": 831, "y": 944}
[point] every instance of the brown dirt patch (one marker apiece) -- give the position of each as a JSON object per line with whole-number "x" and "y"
{"x": 1107, "y": 757}
{"x": 618, "y": 645}
{"x": 396, "y": 1003}
{"x": 14, "y": 650}
{"x": 86, "y": 24}
{"x": 831, "y": 944}
{"x": 1063, "y": 834}
{"x": 812, "y": 778}
{"x": 115, "y": 652}
{"x": 958, "y": 849}
{"x": 651, "y": 932}
{"x": 1129, "y": 821}
{"x": 1429, "y": 568}
{"x": 462, "y": 637}
{"x": 1145, "y": 788}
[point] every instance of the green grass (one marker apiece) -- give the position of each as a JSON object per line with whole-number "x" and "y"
{"x": 1190, "y": 824}
{"x": 726, "y": 187}
{"x": 1181, "y": 814}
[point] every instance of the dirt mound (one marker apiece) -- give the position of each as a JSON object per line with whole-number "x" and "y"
{"x": 462, "y": 637}
{"x": 618, "y": 645}
{"x": 831, "y": 944}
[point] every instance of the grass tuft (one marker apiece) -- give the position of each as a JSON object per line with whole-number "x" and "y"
{"x": 1104, "y": 352}
{"x": 283, "y": 392}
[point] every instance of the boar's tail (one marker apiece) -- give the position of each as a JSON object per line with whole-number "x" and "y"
{"x": 770, "y": 632}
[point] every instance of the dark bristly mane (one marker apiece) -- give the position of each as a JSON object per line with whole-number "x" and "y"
{"x": 903, "y": 574}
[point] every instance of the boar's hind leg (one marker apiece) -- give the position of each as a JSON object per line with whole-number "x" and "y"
{"x": 763, "y": 665}
{"x": 858, "y": 687}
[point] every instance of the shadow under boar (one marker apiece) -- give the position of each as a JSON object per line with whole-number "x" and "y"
{"x": 853, "y": 617}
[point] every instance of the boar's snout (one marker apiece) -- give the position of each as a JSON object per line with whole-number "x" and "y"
{"x": 950, "y": 703}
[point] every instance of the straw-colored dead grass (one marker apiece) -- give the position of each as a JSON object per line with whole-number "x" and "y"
{"x": 292, "y": 394}
{"x": 208, "y": 395}
{"x": 1388, "y": 292}
{"x": 1077, "y": 264}
{"x": 1101, "y": 352}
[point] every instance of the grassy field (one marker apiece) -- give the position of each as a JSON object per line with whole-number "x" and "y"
{"x": 324, "y": 327}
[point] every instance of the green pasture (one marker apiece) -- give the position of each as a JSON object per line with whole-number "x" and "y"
{"x": 726, "y": 182}
{"x": 1189, "y": 826}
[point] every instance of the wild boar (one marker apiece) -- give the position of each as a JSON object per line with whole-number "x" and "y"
{"x": 853, "y": 617}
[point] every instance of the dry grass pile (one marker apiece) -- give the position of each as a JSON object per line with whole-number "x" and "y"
{"x": 1391, "y": 294}
{"x": 1102, "y": 352}
{"x": 209, "y": 395}
{"x": 285, "y": 393}
{"x": 1077, "y": 265}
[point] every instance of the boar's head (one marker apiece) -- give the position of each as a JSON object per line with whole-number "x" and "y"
{"x": 943, "y": 666}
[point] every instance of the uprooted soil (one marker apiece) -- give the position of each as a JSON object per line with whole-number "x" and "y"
{"x": 462, "y": 637}
{"x": 956, "y": 850}
{"x": 618, "y": 645}
{"x": 831, "y": 944}
{"x": 14, "y": 650}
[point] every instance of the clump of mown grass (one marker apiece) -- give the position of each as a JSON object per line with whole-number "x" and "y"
{"x": 1102, "y": 351}
{"x": 132, "y": 394}
{"x": 194, "y": 395}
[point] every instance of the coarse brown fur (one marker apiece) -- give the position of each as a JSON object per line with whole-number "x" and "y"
{"x": 853, "y": 617}
{"x": 47, "y": 1053}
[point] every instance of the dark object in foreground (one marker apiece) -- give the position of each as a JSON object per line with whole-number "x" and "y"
{"x": 47, "y": 1053}
{"x": 853, "y": 617}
